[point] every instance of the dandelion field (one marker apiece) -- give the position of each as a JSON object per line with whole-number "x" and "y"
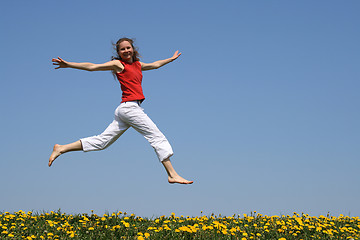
{"x": 57, "y": 225}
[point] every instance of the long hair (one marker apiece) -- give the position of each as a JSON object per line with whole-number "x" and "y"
{"x": 136, "y": 55}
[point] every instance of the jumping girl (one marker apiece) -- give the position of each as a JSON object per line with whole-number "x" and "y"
{"x": 128, "y": 70}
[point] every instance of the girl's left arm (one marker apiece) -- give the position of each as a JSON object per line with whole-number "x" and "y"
{"x": 160, "y": 63}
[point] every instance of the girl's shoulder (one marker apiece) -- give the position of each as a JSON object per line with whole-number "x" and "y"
{"x": 117, "y": 65}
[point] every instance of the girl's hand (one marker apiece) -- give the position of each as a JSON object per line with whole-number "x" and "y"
{"x": 160, "y": 63}
{"x": 60, "y": 63}
{"x": 175, "y": 56}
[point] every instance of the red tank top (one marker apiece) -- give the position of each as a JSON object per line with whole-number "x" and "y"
{"x": 130, "y": 81}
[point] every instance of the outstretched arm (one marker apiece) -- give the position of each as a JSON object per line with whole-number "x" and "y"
{"x": 160, "y": 63}
{"x": 112, "y": 65}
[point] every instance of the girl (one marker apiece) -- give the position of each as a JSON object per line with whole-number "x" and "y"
{"x": 128, "y": 70}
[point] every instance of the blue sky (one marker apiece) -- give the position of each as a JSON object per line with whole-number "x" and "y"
{"x": 261, "y": 109}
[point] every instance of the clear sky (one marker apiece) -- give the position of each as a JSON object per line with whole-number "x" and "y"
{"x": 261, "y": 109}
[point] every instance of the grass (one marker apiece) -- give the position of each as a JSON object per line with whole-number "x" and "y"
{"x": 57, "y": 225}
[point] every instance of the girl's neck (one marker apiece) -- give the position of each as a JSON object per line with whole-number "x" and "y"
{"x": 128, "y": 61}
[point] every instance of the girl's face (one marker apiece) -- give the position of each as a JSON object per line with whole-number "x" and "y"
{"x": 126, "y": 51}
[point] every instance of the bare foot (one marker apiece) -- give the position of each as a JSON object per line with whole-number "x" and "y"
{"x": 178, "y": 179}
{"x": 56, "y": 152}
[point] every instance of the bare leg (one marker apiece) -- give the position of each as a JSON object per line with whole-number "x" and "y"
{"x": 60, "y": 149}
{"x": 173, "y": 177}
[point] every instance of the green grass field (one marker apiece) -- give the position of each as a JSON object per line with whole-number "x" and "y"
{"x": 57, "y": 225}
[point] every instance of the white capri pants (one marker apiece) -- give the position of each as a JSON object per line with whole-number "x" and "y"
{"x": 130, "y": 114}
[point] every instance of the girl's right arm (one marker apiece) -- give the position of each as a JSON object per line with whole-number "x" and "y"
{"x": 108, "y": 66}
